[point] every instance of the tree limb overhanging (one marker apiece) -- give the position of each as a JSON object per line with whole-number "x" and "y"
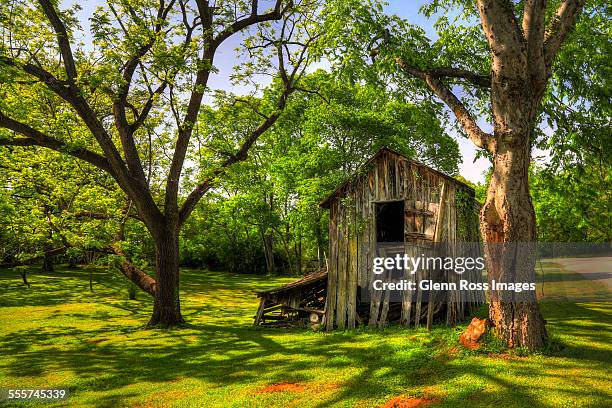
{"x": 432, "y": 78}
{"x": 511, "y": 47}
{"x": 37, "y": 138}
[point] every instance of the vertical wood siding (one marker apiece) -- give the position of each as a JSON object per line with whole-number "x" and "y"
{"x": 352, "y": 237}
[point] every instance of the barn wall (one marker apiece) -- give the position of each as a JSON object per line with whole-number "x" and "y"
{"x": 352, "y": 231}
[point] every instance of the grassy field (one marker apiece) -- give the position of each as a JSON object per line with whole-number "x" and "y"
{"x": 59, "y": 334}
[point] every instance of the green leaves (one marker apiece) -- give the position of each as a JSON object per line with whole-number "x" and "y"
{"x": 574, "y": 204}
{"x": 325, "y": 132}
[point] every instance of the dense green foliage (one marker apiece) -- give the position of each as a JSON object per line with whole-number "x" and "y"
{"x": 263, "y": 214}
{"x": 320, "y": 140}
{"x": 573, "y": 205}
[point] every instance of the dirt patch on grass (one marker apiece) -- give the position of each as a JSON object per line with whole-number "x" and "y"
{"x": 408, "y": 402}
{"x": 290, "y": 387}
{"x": 452, "y": 352}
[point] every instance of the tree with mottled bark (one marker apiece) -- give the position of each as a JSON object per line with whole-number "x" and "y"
{"x": 503, "y": 66}
{"x": 134, "y": 86}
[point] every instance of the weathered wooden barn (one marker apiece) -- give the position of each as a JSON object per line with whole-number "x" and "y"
{"x": 394, "y": 200}
{"x": 391, "y": 205}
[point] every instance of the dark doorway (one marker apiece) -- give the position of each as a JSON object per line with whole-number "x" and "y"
{"x": 390, "y": 221}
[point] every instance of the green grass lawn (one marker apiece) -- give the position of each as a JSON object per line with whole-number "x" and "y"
{"x": 59, "y": 334}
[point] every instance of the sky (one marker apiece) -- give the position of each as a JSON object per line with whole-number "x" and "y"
{"x": 408, "y": 9}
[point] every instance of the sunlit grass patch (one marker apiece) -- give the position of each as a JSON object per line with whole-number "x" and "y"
{"x": 59, "y": 334}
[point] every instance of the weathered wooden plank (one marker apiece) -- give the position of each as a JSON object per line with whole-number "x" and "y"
{"x": 437, "y": 239}
{"x": 352, "y": 273}
{"x": 384, "y": 309}
{"x": 419, "y": 235}
{"x": 332, "y": 276}
{"x": 423, "y": 213}
{"x": 342, "y": 268}
{"x": 260, "y": 311}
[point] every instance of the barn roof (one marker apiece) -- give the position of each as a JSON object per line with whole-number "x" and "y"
{"x": 305, "y": 281}
{"x": 358, "y": 173}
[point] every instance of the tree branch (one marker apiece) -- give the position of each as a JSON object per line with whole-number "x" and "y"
{"x": 63, "y": 40}
{"x": 480, "y": 138}
{"x": 142, "y": 116}
{"x": 533, "y": 30}
{"x": 479, "y": 80}
{"x": 80, "y": 105}
{"x": 560, "y": 26}
{"x": 126, "y": 133}
{"x": 195, "y": 100}
{"x": 37, "y": 138}
{"x": 289, "y": 81}
{"x": 500, "y": 26}
{"x": 194, "y": 197}
{"x": 57, "y": 86}
{"x": 133, "y": 273}
{"x": 102, "y": 216}
{"x": 533, "y": 21}
{"x": 254, "y": 18}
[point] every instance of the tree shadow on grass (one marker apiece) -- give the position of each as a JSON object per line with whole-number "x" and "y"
{"x": 224, "y": 356}
{"x": 110, "y": 355}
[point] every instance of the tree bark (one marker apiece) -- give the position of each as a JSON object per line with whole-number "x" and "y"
{"x": 134, "y": 274}
{"x": 507, "y": 223}
{"x": 507, "y": 219}
{"x": 268, "y": 244}
{"x": 47, "y": 265}
{"x": 166, "y": 306}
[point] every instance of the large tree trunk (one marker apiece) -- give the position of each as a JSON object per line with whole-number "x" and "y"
{"x": 166, "y": 306}
{"x": 508, "y": 227}
{"x": 47, "y": 265}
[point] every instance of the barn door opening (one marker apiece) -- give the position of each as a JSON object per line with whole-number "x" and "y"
{"x": 390, "y": 221}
